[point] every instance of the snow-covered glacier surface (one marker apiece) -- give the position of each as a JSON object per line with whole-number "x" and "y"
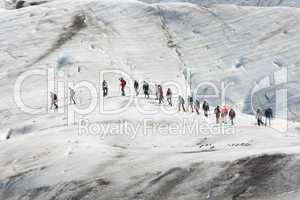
{"x": 259, "y": 3}
{"x": 254, "y": 49}
{"x": 242, "y": 46}
{"x": 11, "y": 4}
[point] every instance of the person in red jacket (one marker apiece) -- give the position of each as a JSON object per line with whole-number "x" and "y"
{"x": 224, "y": 114}
{"x": 122, "y": 84}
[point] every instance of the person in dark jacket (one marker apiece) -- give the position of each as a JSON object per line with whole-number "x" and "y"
{"x": 169, "y": 96}
{"x": 146, "y": 89}
{"x": 104, "y": 88}
{"x": 268, "y": 115}
{"x": 160, "y": 94}
{"x": 156, "y": 92}
{"x": 217, "y": 112}
{"x": 136, "y": 87}
{"x": 205, "y": 108}
{"x": 191, "y": 103}
{"x": 181, "y": 103}
{"x": 54, "y": 101}
{"x": 232, "y": 116}
{"x": 197, "y": 106}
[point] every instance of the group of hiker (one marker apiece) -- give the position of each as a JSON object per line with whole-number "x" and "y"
{"x": 222, "y": 113}
{"x": 268, "y": 113}
{"x": 192, "y": 105}
{"x": 54, "y": 99}
{"x": 158, "y": 92}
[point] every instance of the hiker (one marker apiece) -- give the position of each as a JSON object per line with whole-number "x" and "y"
{"x": 72, "y": 96}
{"x": 20, "y": 4}
{"x": 169, "y": 96}
{"x": 268, "y": 115}
{"x": 205, "y": 108}
{"x": 53, "y": 101}
{"x": 190, "y": 103}
{"x": 156, "y": 92}
{"x": 197, "y": 106}
{"x": 217, "y": 112}
{"x": 122, "y": 84}
{"x": 104, "y": 88}
{"x": 136, "y": 87}
{"x": 146, "y": 89}
{"x": 259, "y": 117}
{"x": 160, "y": 94}
{"x": 232, "y": 116}
{"x": 224, "y": 113}
{"x": 181, "y": 103}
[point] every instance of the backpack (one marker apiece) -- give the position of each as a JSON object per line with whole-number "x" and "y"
{"x": 160, "y": 91}
{"x": 136, "y": 84}
{"x": 104, "y": 84}
{"x": 205, "y": 106}
{"x": 145, "y": 86}
{"x": 232, "y": 113}
{"x": 217, "y": 110}
{"x": 169, "y": 92}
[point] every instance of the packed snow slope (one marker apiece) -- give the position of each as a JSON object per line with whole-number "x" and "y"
{"x": 47, "y": 159}
{"x": 12, "y": 4}
{"x": 259, "y": 3}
